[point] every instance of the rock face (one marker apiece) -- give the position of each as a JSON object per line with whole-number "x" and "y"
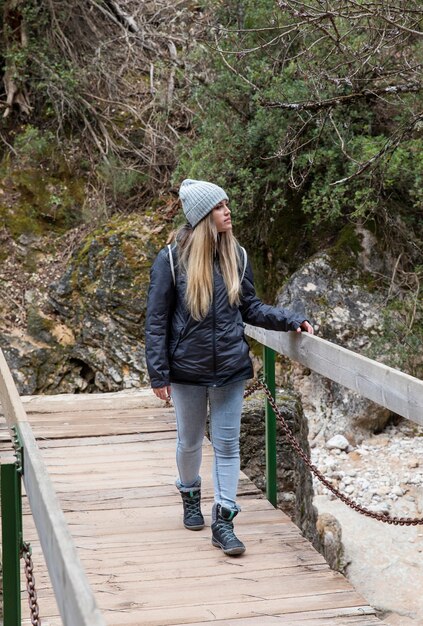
{"x": 102, "y": 298}
{"x": 295, "y": 488}
{"x": 31, "y": 362}
{"x": 87, "y": 333}
{"x": 338, "y": 297}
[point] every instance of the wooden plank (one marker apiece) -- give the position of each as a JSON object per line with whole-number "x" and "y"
{"x": 73, "y": 594}
{"x": 211, "y": 612}
{"x": 73, "y": 501}
{"x": 363, "y": 615}
{"x": 63, "y": 403}
{"x": 131, "y": 579}
{"x": 226, "y": 589}
{"x": 389, "y": 387}
{"x": 91, "y": 440}
{"x": 97, "y": 423}
{"x": 103, "y": 415}
{"x": 126, "y": 520}
{"x": 161, "y": 561}
{"x": 89, "y": 430}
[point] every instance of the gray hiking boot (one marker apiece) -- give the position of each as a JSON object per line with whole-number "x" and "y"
{"x": 223, "y": 535}
{"x": 193, "y": 518}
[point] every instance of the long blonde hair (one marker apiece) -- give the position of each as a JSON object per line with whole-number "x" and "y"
{"x": 197, "y": 248}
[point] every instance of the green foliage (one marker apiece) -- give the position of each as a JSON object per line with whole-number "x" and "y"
{"x": 39, "y": 191}
{"x": 284, "y": 185}
{"x": 120, "y": 180}
{"x": 400, "y": 340}
{"x": 37, "y": 62}
{"x": 31, "y": 145}
{"x": 345, "y": 250}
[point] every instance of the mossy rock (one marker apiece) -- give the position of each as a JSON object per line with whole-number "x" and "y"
{"x": 39, "y": 326}
{"x": 39, "y": 192}
{"x": 111, "y": 267}
{"x": 102, "y": 296}
{"x": 37, "y": 204}
{"x": 344, "y": 253}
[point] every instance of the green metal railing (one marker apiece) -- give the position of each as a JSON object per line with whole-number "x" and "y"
{"x": 12, "y": 539}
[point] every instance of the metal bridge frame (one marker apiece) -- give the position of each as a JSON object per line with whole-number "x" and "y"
{"x": 11, "y": 517}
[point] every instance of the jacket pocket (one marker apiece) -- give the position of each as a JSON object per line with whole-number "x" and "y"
{"x": 174, "y": 347}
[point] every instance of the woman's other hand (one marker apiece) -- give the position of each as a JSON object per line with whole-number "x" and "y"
{"x": 162, "y": 392}
{"x": 306, "y": 328}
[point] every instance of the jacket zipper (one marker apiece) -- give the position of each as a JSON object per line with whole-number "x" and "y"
{"x": 214, "y": 339}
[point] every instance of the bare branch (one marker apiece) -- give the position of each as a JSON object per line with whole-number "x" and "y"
{"x": 123, "y": 17}
{"x": 344, "y": 100}
{"x": 390, "y": 146}
{"x": 108, "y": 69}
{"x": 229, "y": 66}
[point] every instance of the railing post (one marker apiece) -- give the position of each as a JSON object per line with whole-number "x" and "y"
{"x": 271, "y": 466}
{"x": 11, "y": 516}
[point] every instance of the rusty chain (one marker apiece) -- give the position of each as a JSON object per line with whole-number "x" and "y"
{"x": 381, "y": 517}
{"x": 26, "y": 554}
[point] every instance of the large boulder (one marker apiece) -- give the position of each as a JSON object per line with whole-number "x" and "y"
{"x": 102, "y": 297}
{"x": 336, "y": 291}
{"x": 87, "y": 334}
{"x": 28, "y": 360}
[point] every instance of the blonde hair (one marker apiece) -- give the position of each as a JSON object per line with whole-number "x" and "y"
{"x": 197, "y": 248}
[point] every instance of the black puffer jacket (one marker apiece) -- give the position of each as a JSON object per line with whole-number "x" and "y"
{"x": 210, "y": 352}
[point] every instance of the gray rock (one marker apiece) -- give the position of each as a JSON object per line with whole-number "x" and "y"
{"x": 89, "y": 336}
{"x": 349, "y": 314}
{"x": 380, "y": 507}
{"x": 338, "y": 442}
{"x": 330, "y": 533}
{"x": 295, "y": 487}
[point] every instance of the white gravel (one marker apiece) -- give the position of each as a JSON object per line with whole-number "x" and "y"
{"x": 384, "y": 474}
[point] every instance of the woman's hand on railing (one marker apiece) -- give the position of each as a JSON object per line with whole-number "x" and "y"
{"x": 305, "y": 327}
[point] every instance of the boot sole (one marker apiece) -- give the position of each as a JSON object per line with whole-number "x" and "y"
{"x": 232, "y": 551}
{"x": 198, "y": 527}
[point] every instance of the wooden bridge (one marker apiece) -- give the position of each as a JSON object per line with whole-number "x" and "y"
{"x": 105, "y": 520}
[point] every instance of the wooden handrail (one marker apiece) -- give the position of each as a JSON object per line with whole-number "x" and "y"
{"x": 74, "y": 597}
{"x": 388, "y": 387}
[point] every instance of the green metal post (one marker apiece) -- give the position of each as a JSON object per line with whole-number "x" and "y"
{"x": 11, "y": 516}
{"x": 271, "y": 475}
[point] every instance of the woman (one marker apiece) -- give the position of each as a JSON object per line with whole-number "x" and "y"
{"x": 201, "y": 292}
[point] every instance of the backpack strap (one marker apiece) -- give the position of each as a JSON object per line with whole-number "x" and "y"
{"x": 172, "y": 265}
{"x": 244, "y": 253}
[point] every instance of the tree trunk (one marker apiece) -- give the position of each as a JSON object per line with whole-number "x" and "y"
{"x": 16, "y": 43}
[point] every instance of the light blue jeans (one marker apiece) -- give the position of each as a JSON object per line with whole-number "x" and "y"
{"x": 190, "y": 402}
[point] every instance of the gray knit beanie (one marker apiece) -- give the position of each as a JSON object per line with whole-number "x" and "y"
{"x": 198, "y": 198}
